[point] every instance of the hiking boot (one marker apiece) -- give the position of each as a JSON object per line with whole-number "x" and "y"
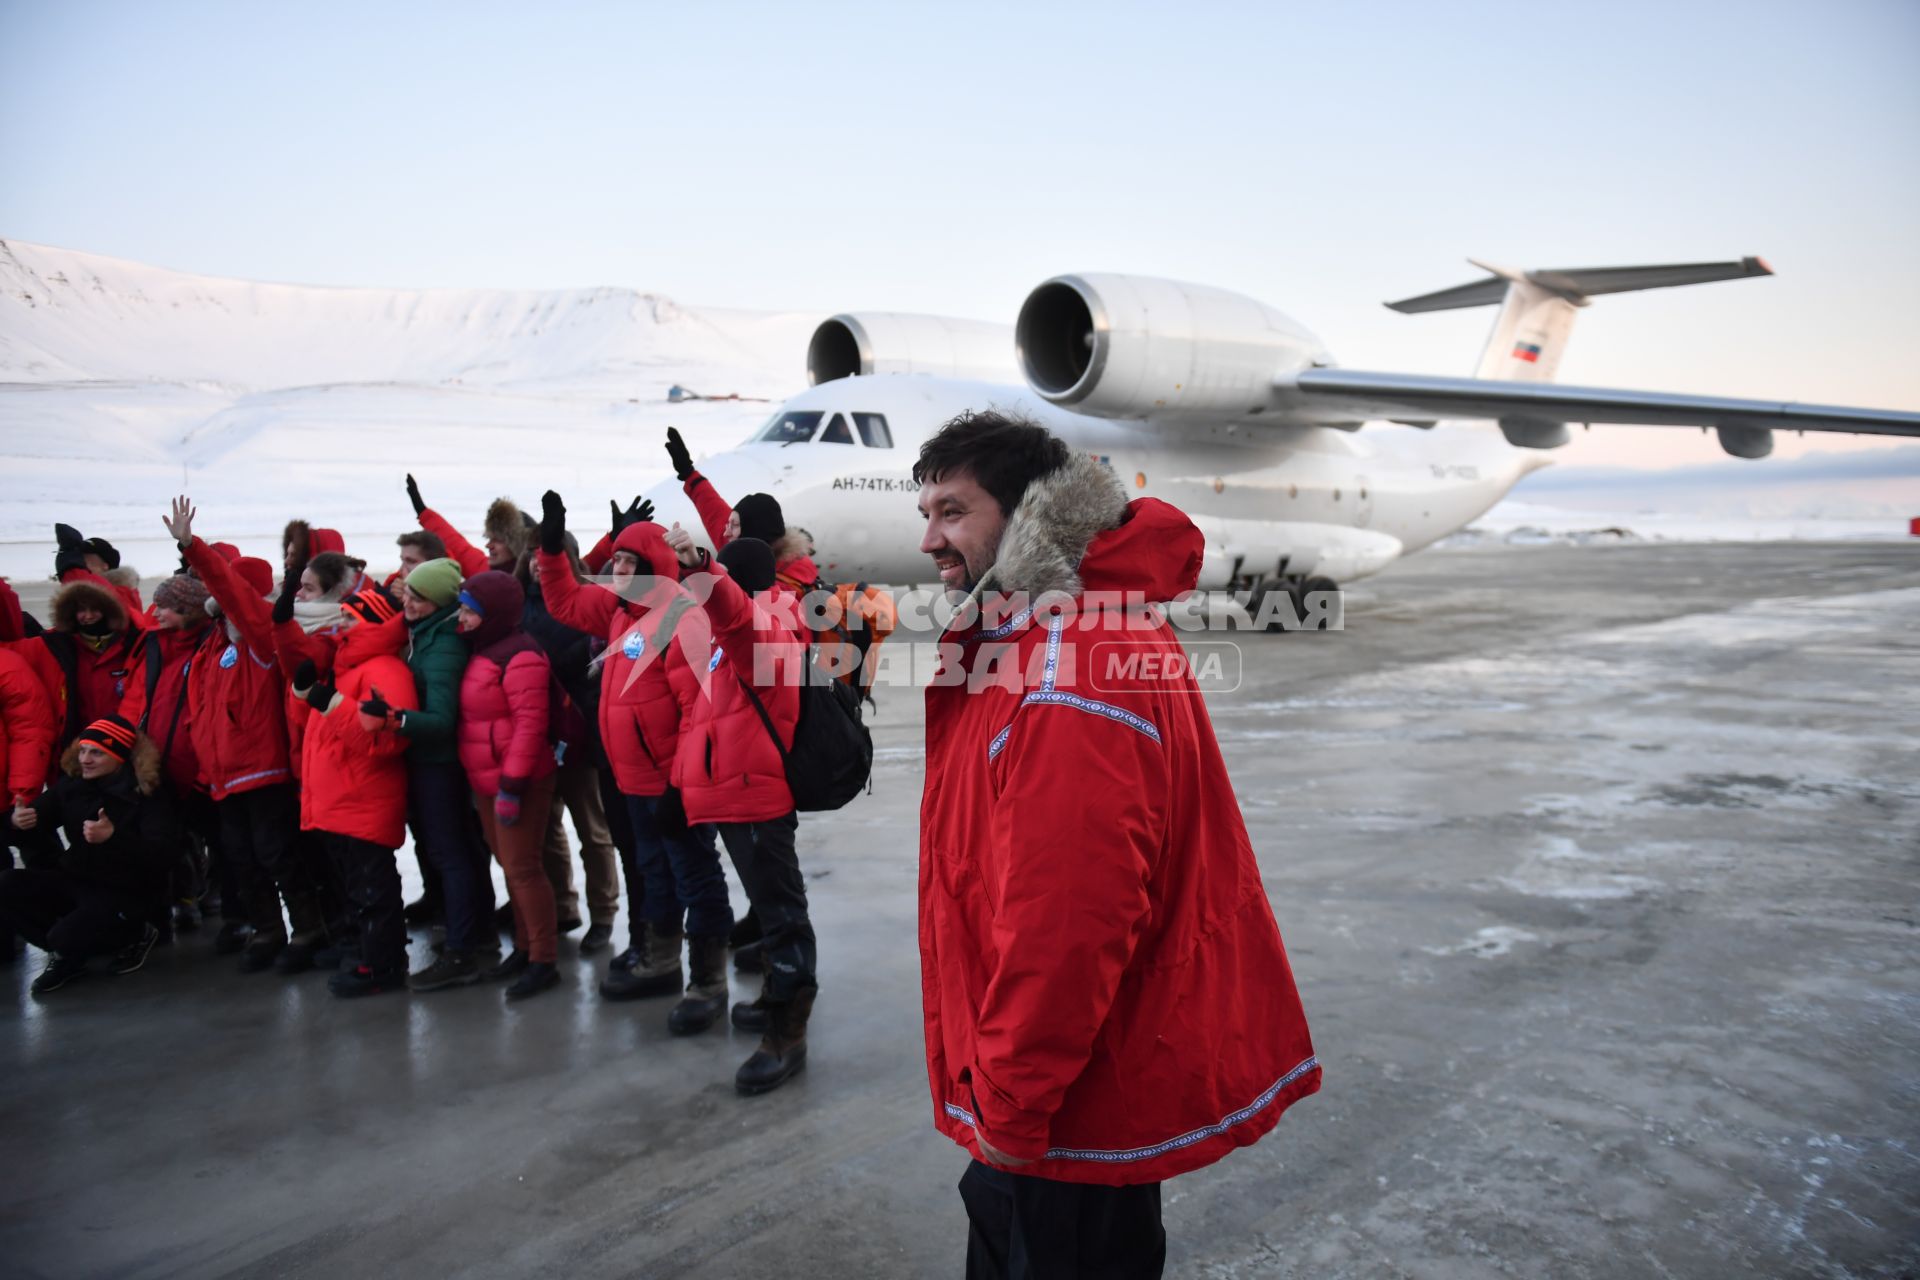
{"x": 59, "y": 972}
{"x": 362, "y": 981}
{"x": 296, "y": 957}
{"x": 746, "y": 931}
{"x": 232, "y": 937}
{"x": 449, "y": 969}
{"x": 783, "y": 1047}
{"x": 260, "y": 954}
{"x": 751, "y": 958}
{"x": 134, "y": 955}
{"x": 752, "y": 1016}
{"x": 186, "y": 917}
{"x": 625, "y": 961}
{"x": 598, "y": 937}
{"x": 656, "y": 973}
{"x": 535, "y": 978}
{"x": 512, "y": 967}
{"x": 706, "y": 996}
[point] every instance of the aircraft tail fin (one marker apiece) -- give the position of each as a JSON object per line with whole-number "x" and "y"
{"x": 1538, "y": 307}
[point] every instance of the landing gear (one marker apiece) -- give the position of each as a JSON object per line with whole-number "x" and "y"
{"x": 1273, "y": 604}
{"x": 1322, "y": 605}
{"x": 1296, "y": 604}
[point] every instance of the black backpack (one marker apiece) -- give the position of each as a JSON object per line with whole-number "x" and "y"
{"x": 832, "y": 754}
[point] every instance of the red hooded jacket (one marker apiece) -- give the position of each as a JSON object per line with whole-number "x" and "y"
{"x": 353, "y": 774}
{"x": 27, "y": 727}
{"x": 237, "y": 696}
{"x": 648, "y": 684}
{"x": 728, "y": 768}
{"x": 1105, "y": 988}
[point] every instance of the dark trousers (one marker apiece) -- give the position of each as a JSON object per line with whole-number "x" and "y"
{"x": 323, "y": 872}
{"x": 1026, "y": 1228}
{"x": 440, "y": 811}
{"x": 681, "y": 871}
{"x": 259, "y": 830}
{"x": 200, "y": 833}
{"x": 769, "y": 869}
{"x": 374, "y": 902}
{"x": 620, "y": 827}
{"x": 69, "y": 916}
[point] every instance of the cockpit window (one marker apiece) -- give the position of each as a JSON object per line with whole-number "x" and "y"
{"x": 790, "y": 428}
{"x": 873, "y": 430}
{"x": 836, "y": 432}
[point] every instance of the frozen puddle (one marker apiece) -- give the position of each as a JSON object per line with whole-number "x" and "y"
{"x": 1489, "y": 943}
{"x": 1558, "y": 868}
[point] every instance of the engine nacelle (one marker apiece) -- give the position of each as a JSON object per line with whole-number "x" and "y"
{"x": 1136, "y": 347}
{"x": 875, "y": 342}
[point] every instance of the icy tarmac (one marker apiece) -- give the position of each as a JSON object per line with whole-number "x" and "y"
{"x": 1600, "y": 874}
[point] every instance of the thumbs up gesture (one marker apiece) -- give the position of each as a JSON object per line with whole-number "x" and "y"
{"x": 97, "y": 829}
{"x": 682, "y": 544}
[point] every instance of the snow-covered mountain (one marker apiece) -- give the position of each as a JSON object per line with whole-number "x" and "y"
{"x": 122, "y": 384}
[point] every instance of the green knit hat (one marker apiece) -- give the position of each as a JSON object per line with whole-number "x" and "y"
{"x": 437, "y": 581}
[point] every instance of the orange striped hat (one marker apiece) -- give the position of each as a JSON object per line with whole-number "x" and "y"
{"x": 370, "y": 605}
{"x": 112, "y": 735}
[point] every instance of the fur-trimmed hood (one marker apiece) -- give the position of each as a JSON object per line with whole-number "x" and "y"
{"x": 507, "y": 523}
{"x": 67, "y": 602}
{"x": 1075, "y": 531}
{"x": 144, "y": 762}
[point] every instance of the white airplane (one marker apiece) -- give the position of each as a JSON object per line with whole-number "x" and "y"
{"x": 1225, "y": 408}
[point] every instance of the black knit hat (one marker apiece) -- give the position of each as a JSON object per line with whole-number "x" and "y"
{"x": 749, "y": 562}
{"x": 760, "y": 517}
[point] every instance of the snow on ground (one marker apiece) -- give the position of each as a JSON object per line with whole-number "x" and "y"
{"x": 1515, "y": 522}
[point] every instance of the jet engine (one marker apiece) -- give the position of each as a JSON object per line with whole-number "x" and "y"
{"x": 1136, "y": 347}
{"x": 875, "y": 342}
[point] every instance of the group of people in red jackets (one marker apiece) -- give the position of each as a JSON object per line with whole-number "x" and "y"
{"x": 260, "y": 751}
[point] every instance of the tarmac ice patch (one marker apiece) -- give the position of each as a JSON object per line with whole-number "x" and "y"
{"x": 1489, "y": 943}
{"x": 1558, "y": 868}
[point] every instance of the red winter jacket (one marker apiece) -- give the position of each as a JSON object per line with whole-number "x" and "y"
{"x": 1105, "y": 988}
{"x": 504, "y": 714}
{"x": 84, "y": 677}
{"x": 471, "y": 559}
{"x": 237, "y": 696}
{"x": 728, "y": 768}
{"x": 792, "y": 576}
{"x": 157, "y": 701}
{"x": 27, "y": 727}
{"x": 353, "y": 775}
{"x": 648, "y": 683}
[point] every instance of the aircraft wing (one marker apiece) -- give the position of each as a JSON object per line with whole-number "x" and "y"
{"x": 1535, "y": 414}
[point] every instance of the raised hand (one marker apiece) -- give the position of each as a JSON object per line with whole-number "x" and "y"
{"x": 637, "y": 512}
{"x": 97, "y": 829}
{"x": 181, "y": 523}
{"x": 681, "y": 543}
{"x": 413, "y": 495}
{"x": 677, "y": 453}
{"x": 553, "y": 523}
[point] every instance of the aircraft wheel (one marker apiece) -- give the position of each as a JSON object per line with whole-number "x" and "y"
{"x": 1273, "y": 587}
{"x": 1335, "y": 616}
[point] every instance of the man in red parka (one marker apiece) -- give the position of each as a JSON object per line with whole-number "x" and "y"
{"x": 1108, "y": 1003}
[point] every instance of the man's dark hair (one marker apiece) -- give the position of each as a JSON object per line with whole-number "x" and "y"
{"x": 429, "y": 543}
{"x": 1003, "y": 452}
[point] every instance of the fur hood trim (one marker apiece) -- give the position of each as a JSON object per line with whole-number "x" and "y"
{"x": 1048, "y": 533}
{"x": 125, "y": 576}
{"x": 145, "y": 763}
{"x": 298, "y": 533}
{"x": 508, "y": 524}
{"x": 67, "y": 602}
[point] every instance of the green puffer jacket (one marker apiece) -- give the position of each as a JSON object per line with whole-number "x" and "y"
{"x": 437, "y": 656}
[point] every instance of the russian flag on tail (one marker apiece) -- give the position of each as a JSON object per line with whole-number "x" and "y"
{"x": 1528, "y": 351}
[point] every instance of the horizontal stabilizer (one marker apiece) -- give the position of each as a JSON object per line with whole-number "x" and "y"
{"x": 1576, "y": 284}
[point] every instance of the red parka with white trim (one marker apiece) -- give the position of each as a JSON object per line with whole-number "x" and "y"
{"x": 1105, "y": 988}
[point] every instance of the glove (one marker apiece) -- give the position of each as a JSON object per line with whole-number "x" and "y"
{"x": 304, "y": 677}
{"x": 638, "y": 513}
{"x": 677, "y": 452}
{"x": 322, "y": 695}
{"x": 506, "y": 805}
{"x": 73, "y": 550}
{"x": 377, "y": 714}
{"x": 283, "y": 604}
{"x": 413, "y": 495}
{"x": 671, "y": 816}
{"x": 553, "y": 523}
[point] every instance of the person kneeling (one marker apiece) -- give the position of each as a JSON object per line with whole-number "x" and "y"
{"x": 96, "y": 896}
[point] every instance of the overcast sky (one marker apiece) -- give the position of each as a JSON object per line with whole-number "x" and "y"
{"x": 946, "y": 158}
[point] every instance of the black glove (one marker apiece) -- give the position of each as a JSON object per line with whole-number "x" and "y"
{"x": 283, "y": 604}
{"x": 73, "y": 550}
{"x": 305, "y": 674}
{"x": 321, "y": 696}
{"x": 377, "y": 707}
{"x": 553, "y": 523}
{"x": 639, "y": 512}
{"x": 671, "y": 816}
{"x": 413, "y": 495}
{"x": 677, "y": 451}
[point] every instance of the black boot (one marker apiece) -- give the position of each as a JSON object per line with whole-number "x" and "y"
{"x": 706, "y": 997}
{"x": 752, "y": 1016}
{"x": 746, "y": 930}
{"x": 655, "y": 973}
{"x": 783, "y": 1049}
